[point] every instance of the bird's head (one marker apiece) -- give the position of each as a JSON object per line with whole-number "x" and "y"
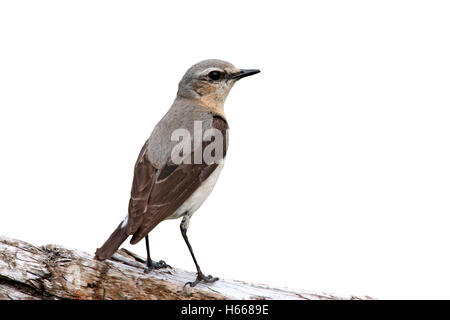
{"x": 210, "y": 81}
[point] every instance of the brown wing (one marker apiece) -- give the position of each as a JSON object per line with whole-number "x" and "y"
{"x": 144, "y": 174}
{"x": 157, "y": 195}
{"x": 143, "y": 180}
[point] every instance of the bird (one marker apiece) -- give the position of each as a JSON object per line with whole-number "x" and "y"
{"x": 172, "y": 179}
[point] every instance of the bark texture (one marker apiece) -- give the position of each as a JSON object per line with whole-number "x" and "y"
{"x": 54, "y": 272}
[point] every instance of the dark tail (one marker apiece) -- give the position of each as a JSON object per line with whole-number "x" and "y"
{"x": 112, "y": 244}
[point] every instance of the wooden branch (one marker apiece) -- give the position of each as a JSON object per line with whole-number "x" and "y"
{"x": 55, "y": 272}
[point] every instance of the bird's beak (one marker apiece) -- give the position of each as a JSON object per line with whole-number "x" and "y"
{"x": 245, "y": 73}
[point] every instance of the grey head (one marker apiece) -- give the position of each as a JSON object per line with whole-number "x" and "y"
{"x": 210, "y": 81}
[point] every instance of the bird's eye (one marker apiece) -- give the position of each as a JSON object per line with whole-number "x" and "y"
{"x": 215, "y": 75}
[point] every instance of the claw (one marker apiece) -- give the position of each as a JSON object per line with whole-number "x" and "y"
{"x": 201, "y": 277}
{"x": 162, "y": 264}
{"x": 156, "y": 265}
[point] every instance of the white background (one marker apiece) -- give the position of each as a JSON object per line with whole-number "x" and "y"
{"x": 338, "y": 173}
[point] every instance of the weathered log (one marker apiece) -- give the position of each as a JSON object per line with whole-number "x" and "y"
{"x": 55, "y": 272}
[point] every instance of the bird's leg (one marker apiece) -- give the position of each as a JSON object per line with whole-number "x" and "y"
{"x": 200, "y": 276}
{"x": 153, "y": 264}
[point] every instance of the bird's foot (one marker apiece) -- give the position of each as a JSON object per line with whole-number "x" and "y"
{"x": 201, "y": 277}
{"x": 156, "y": 265}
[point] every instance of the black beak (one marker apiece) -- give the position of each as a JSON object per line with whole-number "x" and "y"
{"x": 245, "y": 73}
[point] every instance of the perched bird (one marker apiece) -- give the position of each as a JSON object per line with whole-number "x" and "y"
{"x": 165, "y": 187}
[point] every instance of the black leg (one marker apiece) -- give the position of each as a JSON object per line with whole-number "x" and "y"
{"x": 147, "y": 246}
{"x": 200, "y": 275}
{"x": 153, "y": 264}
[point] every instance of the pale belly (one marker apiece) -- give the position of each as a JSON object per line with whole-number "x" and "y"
{"x": 199, "y": 196}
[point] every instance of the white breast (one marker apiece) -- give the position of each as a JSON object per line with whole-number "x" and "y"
{"x": 199, "y": 196}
